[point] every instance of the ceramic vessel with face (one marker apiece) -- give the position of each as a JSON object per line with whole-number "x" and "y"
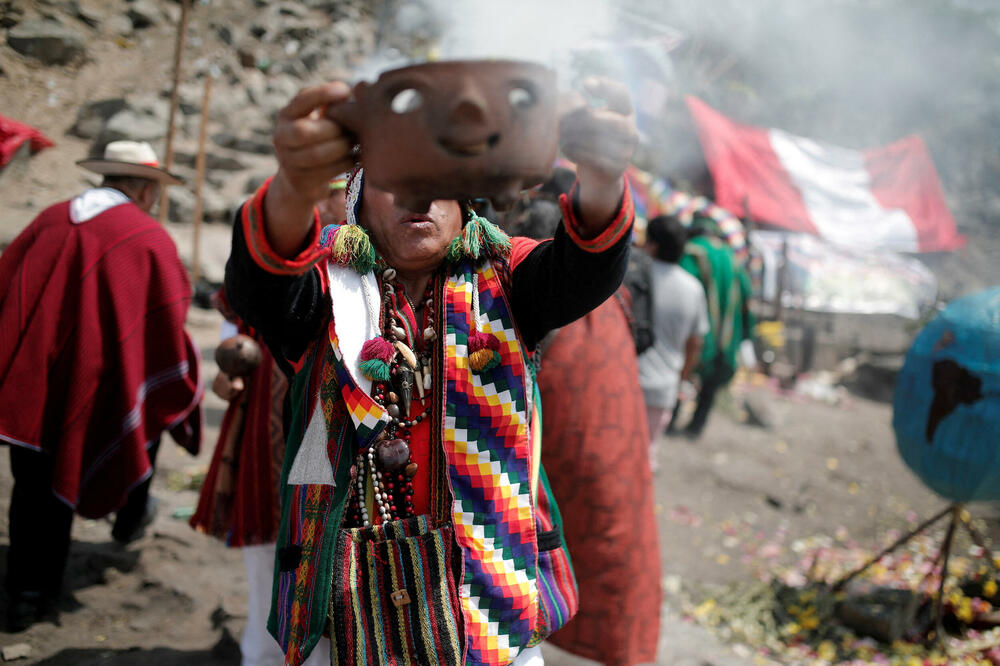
{"x": 455, "y": 130}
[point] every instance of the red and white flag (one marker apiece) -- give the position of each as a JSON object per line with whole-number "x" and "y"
{"x": 888, "y": 197}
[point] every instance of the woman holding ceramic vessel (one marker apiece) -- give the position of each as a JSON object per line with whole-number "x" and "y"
{"x": 417, "y": 524}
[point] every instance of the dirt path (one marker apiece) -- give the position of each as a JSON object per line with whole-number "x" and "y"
{"x": 177, "y": 597}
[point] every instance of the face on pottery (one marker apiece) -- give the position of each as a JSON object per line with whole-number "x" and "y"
{"x": 409, "y": 242}
{"x": 458, "y": 129}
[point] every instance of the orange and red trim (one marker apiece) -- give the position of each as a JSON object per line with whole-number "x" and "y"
{"x": 618, "y": 227}
{"x": 252, "y": 219}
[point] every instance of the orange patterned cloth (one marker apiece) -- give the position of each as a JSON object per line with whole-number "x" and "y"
{"x": 595, "y": 450}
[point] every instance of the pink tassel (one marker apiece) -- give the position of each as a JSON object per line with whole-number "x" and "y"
{"x": 479, "y": 340}
{"x": 377, "y": 348}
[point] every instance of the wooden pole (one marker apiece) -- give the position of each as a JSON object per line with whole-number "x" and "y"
{"x": 168, "y": 160}
{"x": 199, "y": 182}
{"x": 946, "y": 549}
{"x": 840, "y": 584}
{"x": 782, "y": 277}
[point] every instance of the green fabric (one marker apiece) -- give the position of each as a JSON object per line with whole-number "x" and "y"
{"x": 727, "y": 292}
{"x": 298, "y": 395}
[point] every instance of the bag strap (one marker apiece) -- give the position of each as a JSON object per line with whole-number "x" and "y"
{"x": 440, "y": 491}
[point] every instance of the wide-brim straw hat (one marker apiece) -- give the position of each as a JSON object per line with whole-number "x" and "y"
{"x": 131, "y": 158}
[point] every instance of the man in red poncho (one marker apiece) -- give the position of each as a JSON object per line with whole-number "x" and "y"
{"x": 94, "y": 366}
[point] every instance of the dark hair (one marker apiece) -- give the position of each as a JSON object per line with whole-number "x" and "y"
{"x": 560, "y": 181}
{"x": 669, "y": 235}
{"x": 537, "y": 218}
{"x": 127, "y": 182}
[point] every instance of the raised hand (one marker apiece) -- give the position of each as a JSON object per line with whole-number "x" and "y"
{"x": 598, "y": 133}
{"x": 311, "y": 148}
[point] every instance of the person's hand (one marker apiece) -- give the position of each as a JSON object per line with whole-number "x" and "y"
{"x": 312, "y": 148}
{"x": 226, "y": 387}
{"x": 598, "y": 132}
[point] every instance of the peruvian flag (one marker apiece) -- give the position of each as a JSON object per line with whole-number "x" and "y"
{"x": 887, "y": 198}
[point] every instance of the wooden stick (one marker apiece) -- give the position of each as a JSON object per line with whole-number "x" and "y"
{"x": 168, "y": 160}
{"x": 199, "y": 181}
{"x": 839, "y": 585}
{"x": 946, "y": 549}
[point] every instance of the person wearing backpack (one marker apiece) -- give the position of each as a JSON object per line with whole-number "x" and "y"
{"x": 679, "y": 317}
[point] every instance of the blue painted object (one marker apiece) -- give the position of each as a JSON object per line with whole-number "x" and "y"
{"x": 946, "y": 411}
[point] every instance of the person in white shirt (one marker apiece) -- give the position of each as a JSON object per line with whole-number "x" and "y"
{"x": 679, "y": 317}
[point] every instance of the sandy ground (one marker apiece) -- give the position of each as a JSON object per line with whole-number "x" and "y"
{"x": 177, "y": 597}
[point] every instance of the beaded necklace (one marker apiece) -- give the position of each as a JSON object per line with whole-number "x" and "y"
{"x": 391, "y": 363}
{"x": 387, "y": 463}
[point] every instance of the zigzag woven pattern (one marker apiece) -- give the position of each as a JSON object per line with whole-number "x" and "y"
{"x": 487, "y": 445}
{"x": 368, "y": 416}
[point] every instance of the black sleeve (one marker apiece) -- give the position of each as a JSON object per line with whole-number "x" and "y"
{"x": 288, "y": 311}
{"x": 558, "y": 282}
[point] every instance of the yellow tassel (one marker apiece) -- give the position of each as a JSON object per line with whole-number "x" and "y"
{"x": 351, "y": 246}
{"x": 480, "y": 358}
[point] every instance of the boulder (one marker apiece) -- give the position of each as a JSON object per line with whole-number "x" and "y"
{"x": 90, "y": 117}
{"x": 119, "y": 25}
{"x": 180, "y": 204}
{"x": 225, "y": 34}
{"x": 150, "y": 104}
{"x": 46, "y": 41}
{"x": 244, "y": 145}
{"x": 128, "y": 124}
{"x": 10, "y": 14}
{"x": 255, "y": 181}
{"x": 299, "y": 31}
{"x": 15, "y": 652}
{"x": 293, "y": 9}
{"x": 213, "y": 161}
{"x": 144, "y": 14}
{"x": 85, "y": 12}
{"x": 322, "y": 5}
{"x": 215, "y": 207}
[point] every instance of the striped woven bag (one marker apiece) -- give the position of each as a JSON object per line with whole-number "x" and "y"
{"x": 394, "y": 599}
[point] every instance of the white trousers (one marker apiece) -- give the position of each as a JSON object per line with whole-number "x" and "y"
{"x": 258, "y": 646}
{"x": 530, "y": 657}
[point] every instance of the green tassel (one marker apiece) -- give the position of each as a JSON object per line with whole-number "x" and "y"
{"x": 375, "y": 370}
{"x": 492, "y": 239}
{"x": 479, "y": 238}
{"x": 455, "y": 252}
{"x": 470, "y": 237}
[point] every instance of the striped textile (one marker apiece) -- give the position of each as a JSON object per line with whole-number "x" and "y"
{"x": 487, "y": 446}
{"x": 310, "y": 513}
{"x": 366, "y": 627}
{"x": 558, "y": 595}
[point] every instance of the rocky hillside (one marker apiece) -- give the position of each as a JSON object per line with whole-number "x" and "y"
{"x": 87, "y": 72}
{"x": 850, "y": 72}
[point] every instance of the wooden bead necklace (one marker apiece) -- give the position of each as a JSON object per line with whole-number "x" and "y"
{"x": 395, "y": 371}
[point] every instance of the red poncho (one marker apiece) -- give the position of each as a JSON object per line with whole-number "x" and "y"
{"x": 239, "y": 499}
{"x": 94, "y": 360}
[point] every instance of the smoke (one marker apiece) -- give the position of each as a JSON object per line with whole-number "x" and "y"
{"x": 422, "y": 30}
{"x": 855, "y": 73}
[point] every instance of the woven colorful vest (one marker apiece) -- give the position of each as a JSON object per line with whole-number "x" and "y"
{"x": 492, "y": 470}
